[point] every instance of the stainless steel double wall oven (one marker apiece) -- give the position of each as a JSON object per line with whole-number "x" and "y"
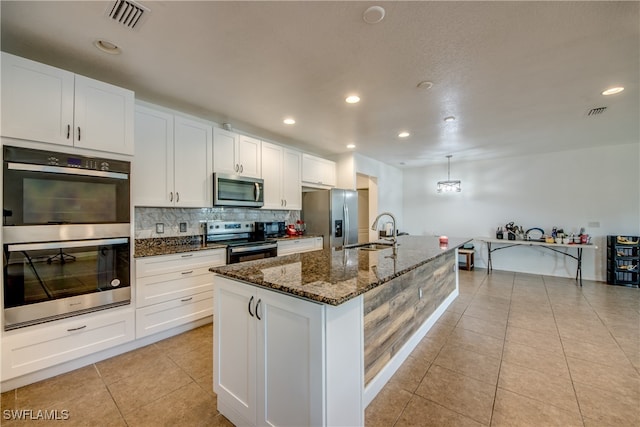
{"x": 66, "y": 228}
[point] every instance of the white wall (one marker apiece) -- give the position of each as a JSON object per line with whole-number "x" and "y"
{"x": 569, "y": 190}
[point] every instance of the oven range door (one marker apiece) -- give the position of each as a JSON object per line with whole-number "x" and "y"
{"x": 47, "y": 281}
{"x": 251, "y": 251}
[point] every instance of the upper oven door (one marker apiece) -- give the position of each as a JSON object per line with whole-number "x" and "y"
{"x": 44, "y": 188}
{"x": 235, "y": 190}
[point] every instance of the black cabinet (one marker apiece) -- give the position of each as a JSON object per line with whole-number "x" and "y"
{"x": 623, "y": 260}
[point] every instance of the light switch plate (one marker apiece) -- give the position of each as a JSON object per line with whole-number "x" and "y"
{"x": 159, "y": 227}
{"x": 183, "y": 227}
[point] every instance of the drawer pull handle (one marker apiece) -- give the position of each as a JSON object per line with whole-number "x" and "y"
{"x": 76, "y": 329}
{"x": 186, "y": 299}
{"x": 187, "y": 272}
{"x": 187, "y": 255}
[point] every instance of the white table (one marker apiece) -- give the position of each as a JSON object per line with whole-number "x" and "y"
{"x": 504, "y": 244}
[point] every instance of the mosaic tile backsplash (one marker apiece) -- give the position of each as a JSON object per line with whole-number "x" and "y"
{"x": 147, "y": 218}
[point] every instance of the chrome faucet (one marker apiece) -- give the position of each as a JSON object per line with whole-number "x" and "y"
{"x": 374, "y": 227}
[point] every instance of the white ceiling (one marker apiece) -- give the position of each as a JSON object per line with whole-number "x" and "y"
{"x": 518, "y": 76}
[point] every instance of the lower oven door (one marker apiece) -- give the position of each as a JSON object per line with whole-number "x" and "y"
{"x": 52, "y": 280}
{"x": 237, "y": 254}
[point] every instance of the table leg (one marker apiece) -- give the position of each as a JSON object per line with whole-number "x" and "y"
{"x": 489, "y": 264}
{"x": 579, "y": 270}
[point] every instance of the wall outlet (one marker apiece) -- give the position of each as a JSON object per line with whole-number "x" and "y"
{"x": 183, "y": 227}
{"x": 159, "y": 227}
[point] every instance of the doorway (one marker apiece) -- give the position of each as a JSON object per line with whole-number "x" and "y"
{"x": 367, "y": 187}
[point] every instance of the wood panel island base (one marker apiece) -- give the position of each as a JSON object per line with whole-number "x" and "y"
{"x": 311, "y": 338}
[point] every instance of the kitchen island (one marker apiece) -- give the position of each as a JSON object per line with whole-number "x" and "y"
{"x": 311, "y": 338}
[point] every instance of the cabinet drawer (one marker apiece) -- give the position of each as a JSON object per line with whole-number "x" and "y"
{"x": 42, "y": 346}
{"x": 166, "y": 315}
{"x": 153, "y": 290}
{"x": 155, "y": 265}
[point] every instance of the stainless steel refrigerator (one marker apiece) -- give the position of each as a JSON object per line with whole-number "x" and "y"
{"x": 332, "y": 214}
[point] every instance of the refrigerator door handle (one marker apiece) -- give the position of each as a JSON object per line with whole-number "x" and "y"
{"x": 346, "y": 225}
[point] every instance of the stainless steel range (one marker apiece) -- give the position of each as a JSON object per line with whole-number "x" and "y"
{"x": 241, "y": 240}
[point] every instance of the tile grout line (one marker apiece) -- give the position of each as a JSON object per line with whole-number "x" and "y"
{"x": 555, "y": 321}
{"x": 504, "y": 341}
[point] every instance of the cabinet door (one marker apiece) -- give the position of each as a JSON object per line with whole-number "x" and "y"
{"x": 37, "y": 101}
{"x": 224, "y": 151}
{"x": 193, "y": 169}
{"x": 291, "y": 179}
{"x": 249, "y": 156}
{"x": 234, "y": 341}
{"x": 290, "y": 340}
{"x": 103, "y": 116}
{"x": 153, "y": 162}
{"x": 318, "y": 171}
{"x": 272, "y": 176}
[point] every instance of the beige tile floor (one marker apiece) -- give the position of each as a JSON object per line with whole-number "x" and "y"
{"x": 512, "y": 350}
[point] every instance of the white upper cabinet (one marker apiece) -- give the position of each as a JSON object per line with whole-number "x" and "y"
{"x": 47, "y": 104}
{"x": 193, "y": 173}
{"x": 281, "y": 171}
{"x": 173, "y": 161}
{"x": 318, "y": 172}
{"x": 152, "y": 168}
{"x": 236, "y": 154}
{"x": 291, "y": 179}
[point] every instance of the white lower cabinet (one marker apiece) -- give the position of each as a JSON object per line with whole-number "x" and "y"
{"x": 38, "y": 347}
{"x": 294, "y": 246}
{"x": 269, "y": 359}
{"x": 172, "y": 290}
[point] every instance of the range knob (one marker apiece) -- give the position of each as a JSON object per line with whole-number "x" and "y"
{"x": 104, "y": 166}
{"x": 52, "y": 160}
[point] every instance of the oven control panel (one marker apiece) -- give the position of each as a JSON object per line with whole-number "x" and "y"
{"x": 229, "y": 227}
{"x": 49, "y": 158}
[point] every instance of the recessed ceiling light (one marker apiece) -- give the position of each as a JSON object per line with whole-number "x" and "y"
{"x": 289, "y": 121}
{"x": 107, "y": 47}
{"x": 373, "y": 15}
{"x": 352, "y": 99}
{"x": 613, "y": 90}
{"x": 449, "y": 119}
{"x": 351, "y": 146}
{"x": 424, "y": 85}
{"x": 403, "y": 134}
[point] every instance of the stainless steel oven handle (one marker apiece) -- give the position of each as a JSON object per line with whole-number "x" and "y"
{"x": 252, "y": 248}
{"x": 65, "y": 171}
{"x": 70, "y": 244}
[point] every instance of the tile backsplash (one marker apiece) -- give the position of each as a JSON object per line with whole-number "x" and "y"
{"x": 170, "y": 218}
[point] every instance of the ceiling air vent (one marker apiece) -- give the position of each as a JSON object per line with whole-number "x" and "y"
{"x": 128, "y": 13}
{"x": 596, "y": 111}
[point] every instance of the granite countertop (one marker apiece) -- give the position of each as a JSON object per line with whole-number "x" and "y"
{"x": 170, "y": 245}
{"x": 174, "y": 245}
{"x": 333, "y": 276}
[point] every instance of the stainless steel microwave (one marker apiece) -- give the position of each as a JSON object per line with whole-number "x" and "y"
{"x": 236, "y": 190}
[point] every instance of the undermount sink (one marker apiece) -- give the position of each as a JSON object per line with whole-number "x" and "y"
{"x": 371, "y": 246}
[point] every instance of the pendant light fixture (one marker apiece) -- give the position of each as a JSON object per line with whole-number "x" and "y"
{"x": 449, "y": 186}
